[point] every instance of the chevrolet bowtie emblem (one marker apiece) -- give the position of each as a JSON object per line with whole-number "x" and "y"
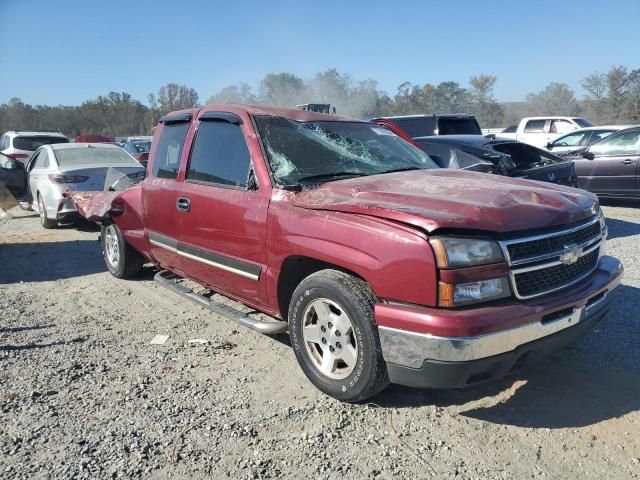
{"x": 570, "y": 254}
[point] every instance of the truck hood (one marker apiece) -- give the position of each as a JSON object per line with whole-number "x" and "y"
{"x": 438, "y": 199}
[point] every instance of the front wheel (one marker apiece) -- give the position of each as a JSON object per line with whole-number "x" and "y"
{"x": 122, "y": 260}
{"x": 334, "y": 338}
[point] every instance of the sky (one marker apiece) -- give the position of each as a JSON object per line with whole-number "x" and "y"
{"x": 68, "y": 51}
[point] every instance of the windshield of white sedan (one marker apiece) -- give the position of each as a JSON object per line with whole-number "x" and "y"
{"x": 318, "y": 152}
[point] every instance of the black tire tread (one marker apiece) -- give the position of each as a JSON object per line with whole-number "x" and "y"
{"x": 362, "y": 293}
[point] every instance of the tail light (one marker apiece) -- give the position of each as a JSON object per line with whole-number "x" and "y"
{"x": 142, "y": 157}
{"x": 17, "y": 156}
{"x": 56, "y": 178}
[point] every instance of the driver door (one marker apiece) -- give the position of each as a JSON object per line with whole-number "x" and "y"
{"x": 14, "y": 176}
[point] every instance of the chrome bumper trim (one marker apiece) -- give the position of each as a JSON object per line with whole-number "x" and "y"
{"x": 411, "y": 349}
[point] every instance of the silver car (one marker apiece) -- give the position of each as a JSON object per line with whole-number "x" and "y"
{"x": 76, "y": 166}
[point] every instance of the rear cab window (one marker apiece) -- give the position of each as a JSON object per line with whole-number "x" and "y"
{"x": 166, "y": 162}
{"x": 535, "y": 126}
{"x": 458, "y": 126}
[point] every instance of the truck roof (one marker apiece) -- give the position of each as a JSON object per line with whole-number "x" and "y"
{"x": 289, "y": 113}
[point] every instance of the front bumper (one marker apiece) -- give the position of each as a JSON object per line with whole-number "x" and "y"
{"x": 436, "y": 348}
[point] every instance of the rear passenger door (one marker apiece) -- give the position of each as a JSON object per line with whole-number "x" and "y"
{"x": 160, "y": 190}
{"x": 224, "y": 216}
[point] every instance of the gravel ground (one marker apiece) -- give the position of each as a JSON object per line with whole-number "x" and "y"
{"x": 83, "y": 394}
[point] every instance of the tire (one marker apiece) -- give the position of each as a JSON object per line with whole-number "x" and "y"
{"x": 45, "y": 221}
{"x": 122, "y": 260}
{"x": 343, "y": 305}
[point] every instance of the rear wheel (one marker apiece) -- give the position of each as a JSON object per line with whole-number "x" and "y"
{"x": 122, "y": 260}
{"x": 45, "y": 221}
{"x": 334, "y": 338}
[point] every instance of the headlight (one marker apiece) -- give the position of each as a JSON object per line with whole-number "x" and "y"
{"x": 459, "y": 294}
{"x": 454, "y": 252}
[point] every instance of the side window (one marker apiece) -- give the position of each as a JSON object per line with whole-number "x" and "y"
{"x": 220, "y": 155}
{"x": 561, "y": 126}
{"x": 42, "y": 161}
{"x": 623, "y": 143}
{"x": 167, "y": 160}
{"x": 571, "y": 140}
{"x": 534, "y": 126}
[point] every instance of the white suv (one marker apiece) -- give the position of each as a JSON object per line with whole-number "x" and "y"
{"x": 19, "y": 145}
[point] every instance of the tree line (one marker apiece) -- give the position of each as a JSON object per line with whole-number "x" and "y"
{"x": 611, "y": 97}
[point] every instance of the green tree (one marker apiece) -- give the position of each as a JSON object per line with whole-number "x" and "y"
{"x": 595, "y": 86}
{"x": 555, "y": 99}
{"x": 482, "y": 101}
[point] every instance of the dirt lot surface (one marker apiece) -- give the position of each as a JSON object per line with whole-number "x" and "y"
{"x": 83, "y": 393}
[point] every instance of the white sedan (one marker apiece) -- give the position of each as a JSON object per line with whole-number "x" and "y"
{"x": 76, "y": 166}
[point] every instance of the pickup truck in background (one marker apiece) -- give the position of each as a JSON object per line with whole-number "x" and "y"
{"x": 410, "y": 127}
{"x": 540, "y": 131}
{"x": 381, "y": 266}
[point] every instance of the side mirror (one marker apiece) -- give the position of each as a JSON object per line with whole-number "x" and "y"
{"x": 13, "y": 165}
{"x": 588, "y": 155}
{"x": 549, "y": 146}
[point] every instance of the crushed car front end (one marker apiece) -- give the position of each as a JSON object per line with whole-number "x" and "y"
{"x": 548, "y": 289}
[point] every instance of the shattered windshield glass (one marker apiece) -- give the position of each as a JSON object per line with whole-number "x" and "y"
{"x": 316, "y": 152}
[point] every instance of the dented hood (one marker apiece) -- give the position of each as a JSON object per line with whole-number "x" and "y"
{"x": 437, "y": 199}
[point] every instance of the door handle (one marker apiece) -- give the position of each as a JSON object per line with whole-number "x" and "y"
{"x": 628, "y": 161}
{"x": 183, "y": 204}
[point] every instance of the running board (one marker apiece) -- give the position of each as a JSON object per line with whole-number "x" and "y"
{"x": 166, "y": 279}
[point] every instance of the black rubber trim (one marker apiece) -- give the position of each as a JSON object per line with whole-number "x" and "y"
{"x": 435, "y": 374}
{"x": 230, "y": 262}
{"x": 168, "y": 241}
{"x": 221, "y": 117}
{"x": 176, "y": 118}
{"x": 246, "y": 267}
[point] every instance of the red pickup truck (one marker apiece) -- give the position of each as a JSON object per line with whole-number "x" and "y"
{"x": 381, "y": 266}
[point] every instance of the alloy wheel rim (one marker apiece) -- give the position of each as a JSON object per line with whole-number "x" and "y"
{"x": 329, "y": 339}
{"x": 111, "y": 246}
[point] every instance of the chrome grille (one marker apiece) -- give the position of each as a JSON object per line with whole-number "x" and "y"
{"x": 549, "y": 262}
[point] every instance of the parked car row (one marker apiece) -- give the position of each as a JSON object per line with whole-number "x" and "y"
{"x": 55, "y": 168}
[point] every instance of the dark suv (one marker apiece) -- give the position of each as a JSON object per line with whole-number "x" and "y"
{"x": 413, "y": 126}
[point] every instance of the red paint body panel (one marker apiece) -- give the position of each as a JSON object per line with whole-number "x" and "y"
{"x": 454, "y": 199}
{"x": 481, "y": 320}
{"x": 397, "y": 261}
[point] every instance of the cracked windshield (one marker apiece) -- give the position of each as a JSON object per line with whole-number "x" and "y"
{"x": 318, "y": 152}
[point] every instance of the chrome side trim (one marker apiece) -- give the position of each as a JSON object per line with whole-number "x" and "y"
{"x": 162, "y": 245}
{"x": 411, "y": 349}
{"x": 218, "y": 265}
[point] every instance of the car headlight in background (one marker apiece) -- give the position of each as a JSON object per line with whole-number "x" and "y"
{"x": 460, "y": 294}
{"x": 452, "y": 252}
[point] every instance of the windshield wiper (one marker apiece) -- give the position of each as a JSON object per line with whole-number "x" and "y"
{"x": 405, "y": 169}
{"x": 327, "y": 177}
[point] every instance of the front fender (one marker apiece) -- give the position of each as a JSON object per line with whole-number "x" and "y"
{"x": 395, "y": 259}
